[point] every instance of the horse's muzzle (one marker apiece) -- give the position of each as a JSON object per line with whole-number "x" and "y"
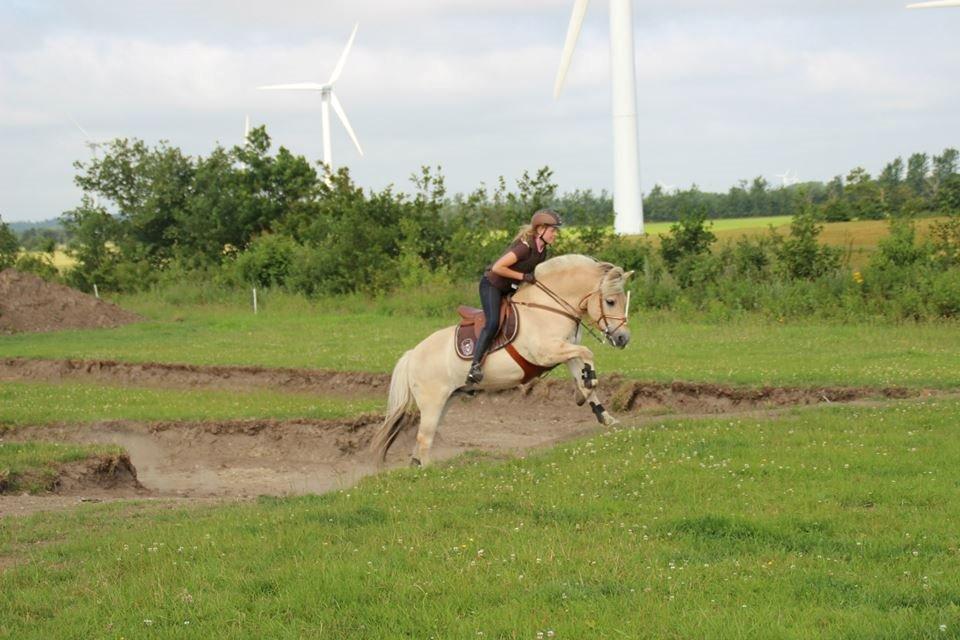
{"x": 619, "y": 338}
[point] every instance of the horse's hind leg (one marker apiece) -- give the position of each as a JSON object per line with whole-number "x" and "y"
{"x": 433, "y": 406}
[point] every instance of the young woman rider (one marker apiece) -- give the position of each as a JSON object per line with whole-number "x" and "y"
{"x": 516, "y": 265}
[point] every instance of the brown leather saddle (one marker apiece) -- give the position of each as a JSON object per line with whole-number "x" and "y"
{"x": 472, "y": 322}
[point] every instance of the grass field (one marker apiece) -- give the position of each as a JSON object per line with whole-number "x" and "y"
{"x": 664, "y": 347}
{"x": 26, "y": 403}
{"x": 830, "y": 523}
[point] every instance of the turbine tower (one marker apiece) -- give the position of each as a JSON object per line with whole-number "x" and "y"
{"x": 327, "y": 99}
{"x": 934, "y": 5}
{"x": 627, "y": 197}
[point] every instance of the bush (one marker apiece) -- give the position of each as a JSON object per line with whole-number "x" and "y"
{"x": 267, "y": 261}
{"x": 40, "y": 265}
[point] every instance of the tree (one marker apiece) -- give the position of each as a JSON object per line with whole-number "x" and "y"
{"x": 9, "y": 246}
{"x": 918, "y": 167}
{"x": 93, "y": 234}
{"x": 863, "y": 194}
{"x": 944, "y": 166}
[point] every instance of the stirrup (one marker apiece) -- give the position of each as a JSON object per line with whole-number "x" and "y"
{"x": 475, "y": 375}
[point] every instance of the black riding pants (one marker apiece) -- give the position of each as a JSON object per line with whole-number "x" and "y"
{"x": 490, "y": 298}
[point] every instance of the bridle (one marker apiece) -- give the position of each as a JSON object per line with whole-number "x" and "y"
{"x": 576, "y": 313}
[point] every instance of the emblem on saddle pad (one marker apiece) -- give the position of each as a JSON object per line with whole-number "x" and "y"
{"x": 466, "y": 347}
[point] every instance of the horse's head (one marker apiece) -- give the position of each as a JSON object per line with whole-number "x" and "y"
{"x": 608, "y": 306}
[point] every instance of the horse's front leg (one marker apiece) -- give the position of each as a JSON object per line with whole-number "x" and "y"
{"x": 556, "y": 351}
{"x": 603, "y": 416}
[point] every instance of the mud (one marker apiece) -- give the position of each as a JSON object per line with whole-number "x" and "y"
{"x": 231, "y": 459}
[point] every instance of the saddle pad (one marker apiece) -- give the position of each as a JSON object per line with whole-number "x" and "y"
{"x": 468, "y": 332}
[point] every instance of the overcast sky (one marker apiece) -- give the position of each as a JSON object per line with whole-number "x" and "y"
{"x": 727, "y": 89}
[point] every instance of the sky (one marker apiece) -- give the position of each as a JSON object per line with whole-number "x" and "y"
{"x": 727, "y": 89}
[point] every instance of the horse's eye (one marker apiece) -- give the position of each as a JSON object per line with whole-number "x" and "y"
{"x": 609, "y": 303}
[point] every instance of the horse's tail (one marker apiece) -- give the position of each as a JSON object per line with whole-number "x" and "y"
{"x": 399, "y": 414}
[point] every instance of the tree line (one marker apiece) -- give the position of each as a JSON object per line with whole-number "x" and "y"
{"x": 253, "y": 215}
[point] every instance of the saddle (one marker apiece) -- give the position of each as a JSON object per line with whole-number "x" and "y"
{"x": 472, "y": 322}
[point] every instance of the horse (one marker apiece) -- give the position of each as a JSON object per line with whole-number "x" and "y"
{"x": 552, "y": 310}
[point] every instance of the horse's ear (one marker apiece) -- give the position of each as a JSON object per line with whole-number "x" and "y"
{"x": 627, "y": 275}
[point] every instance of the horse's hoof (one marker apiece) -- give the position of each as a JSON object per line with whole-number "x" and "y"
{"x": 609, "y": 420}
{"x": 415, "y": 462}
{"x": 579, "y": 398}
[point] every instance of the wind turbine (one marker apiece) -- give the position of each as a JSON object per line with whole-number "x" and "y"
{"x": 627, "y": 198}
{"x": 92, "y": 144}
{"x": 934, "y": 5}
{"x": 786, "y": 178}
{"x": 328, "y": 99}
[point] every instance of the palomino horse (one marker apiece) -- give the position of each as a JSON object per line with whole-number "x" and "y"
{"x": 568, "y": 289}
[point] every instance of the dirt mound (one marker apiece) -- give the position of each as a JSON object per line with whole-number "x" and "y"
{"x": 31, "y": 304}
{"x": 106, "y": 472}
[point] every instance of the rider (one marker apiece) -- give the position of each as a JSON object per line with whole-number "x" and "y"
{"x": 528, "y": 250}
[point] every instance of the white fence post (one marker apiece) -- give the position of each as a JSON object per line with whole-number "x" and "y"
{"x": 254, "y": 299}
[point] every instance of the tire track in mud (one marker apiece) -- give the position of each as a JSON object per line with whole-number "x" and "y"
{"x": 243, "y": 458}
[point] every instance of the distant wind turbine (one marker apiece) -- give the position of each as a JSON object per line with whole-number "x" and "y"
{"x": 627, "y": 198}
{"x": 93, "y": 145}
{"x": 934, "y": 5}
{"x": 328, "y": 98}
{"x": 786, "y": 178}
{"x": 667, "y": 188}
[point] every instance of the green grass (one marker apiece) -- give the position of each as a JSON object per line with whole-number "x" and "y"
{"x": 23, "y": 403}
{"x": 38, "y": 461}
{"x": 666, "y": 347}
{"x": 827, "y": 523}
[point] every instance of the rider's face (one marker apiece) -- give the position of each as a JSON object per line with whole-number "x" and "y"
{"x": 549, "y": 235}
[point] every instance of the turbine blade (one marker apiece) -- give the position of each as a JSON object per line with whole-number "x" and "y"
{"x": 573, "y": 32}
{"x": 343, "y": 118}
{"x": 82, "y": 130}
{"x": 296, "y": 86}
{"x": 935, "y": 4}
{"x": 343, "y": 56}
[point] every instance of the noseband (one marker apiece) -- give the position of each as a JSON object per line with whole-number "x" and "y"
{"x": 607, "y": 330}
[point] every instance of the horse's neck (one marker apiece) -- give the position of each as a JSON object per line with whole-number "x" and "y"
{"x": 557, "y": 286}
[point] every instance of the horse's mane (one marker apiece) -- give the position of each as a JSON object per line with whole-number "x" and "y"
{"x": 612, "y": 275}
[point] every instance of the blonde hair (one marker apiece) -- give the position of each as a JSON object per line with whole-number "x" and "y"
{"x": 526, "y": 233}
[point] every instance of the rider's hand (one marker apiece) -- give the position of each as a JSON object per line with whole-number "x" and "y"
{"x": 528, "y": 277}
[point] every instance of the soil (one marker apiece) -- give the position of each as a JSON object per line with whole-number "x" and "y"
{"x": 236, "y": 459}
{"x": 29, "y": 303}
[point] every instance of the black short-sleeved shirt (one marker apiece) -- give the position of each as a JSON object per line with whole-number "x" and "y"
{"x": 527, "y": 260}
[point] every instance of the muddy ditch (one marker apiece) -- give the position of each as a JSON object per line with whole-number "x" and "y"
{"x": 244, "y": 458}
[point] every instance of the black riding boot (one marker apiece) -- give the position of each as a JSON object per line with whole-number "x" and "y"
{"x": 490, "y": 298}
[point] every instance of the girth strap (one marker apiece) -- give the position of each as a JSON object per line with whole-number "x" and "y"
{"x": 530, "y": 370}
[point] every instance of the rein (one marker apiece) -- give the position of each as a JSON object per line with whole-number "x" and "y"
{"x": 576, "y": 313}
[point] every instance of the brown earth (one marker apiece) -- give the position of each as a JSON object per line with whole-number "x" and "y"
{"x": 31, "y": 304}
{"x": 229, "y": 459}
